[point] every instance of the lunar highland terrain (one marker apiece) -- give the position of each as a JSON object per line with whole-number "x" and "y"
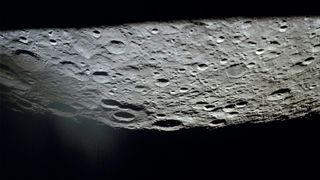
{"x": 166, "y": 75}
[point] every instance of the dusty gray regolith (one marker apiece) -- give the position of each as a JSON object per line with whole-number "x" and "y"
{"x": 166, "y": 75}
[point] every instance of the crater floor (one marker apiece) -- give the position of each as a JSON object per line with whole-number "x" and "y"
{"x": 166, "y": 75}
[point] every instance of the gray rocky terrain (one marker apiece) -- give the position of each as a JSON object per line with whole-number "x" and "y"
{"x": 166, "y": 75}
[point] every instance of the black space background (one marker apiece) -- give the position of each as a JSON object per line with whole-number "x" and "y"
{"x": 46, "y": 147}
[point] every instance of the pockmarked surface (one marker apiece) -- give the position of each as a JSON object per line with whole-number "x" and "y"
{"x": 166, "y": 75}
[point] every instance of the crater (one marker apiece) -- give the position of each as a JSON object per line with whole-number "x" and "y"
{"x": 181, "y": 70}
{"x": 236, "y": 70}
{"x": 28, "y": 60}
{"x": 67, "y": 62}
{"x": 316, "y": 48}
{"x": 161, "y": 115}
{"x": 308, "y": 61}
{"x": 110, "y": 103}
{"x": 123, "y": 116}
{"x": 229, "y": 108}
{"x": 241, "y": 104}
{"x": 183, "y": 89}
{"x": 142, "y": 89}
{"x": 101, "y": 76}
{"x": 200, "y": 105}
{"x": 96, "y": 33}
{"x": 283, "y": 28}
{"x": 251, "y": 65}
{"x": 23, "y": 39}
{"x": 202, "y": 67}
{"x": 53, "y": 41}
{"x": 220, "y": 39}
{"x": 167, "y": 123}
{"x": 162, "y": 82}
{"x": 279, "y": 94}
{"x": 218, "y": 122}
{"x": 209, "y": 107}
{"x": 131, "y": 106}
{"x": 155, "y": 31}
{"x": 223, "y": 61}
{"x": 259, "y": 51}
{"x": 100, "y": 73}
{"x": 116, "y": 47}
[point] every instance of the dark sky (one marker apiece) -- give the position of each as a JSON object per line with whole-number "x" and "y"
{"x": 61, "y": 14}
{"x": 51, "y": 148}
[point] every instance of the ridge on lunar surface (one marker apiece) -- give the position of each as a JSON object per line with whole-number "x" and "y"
{"x": 167, "y": 75}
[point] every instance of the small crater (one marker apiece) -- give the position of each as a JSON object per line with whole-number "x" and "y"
{"x": 281, "y": 91}
{"x": 223, "y": 61}
{"x": 167, "y": 123}
{"x": 200, "y": 105}
{"x": 155, "y": 31}
{"x": 218, "y": 122}
{"x": 132, "y": 107}
{"x": 209, "y": 107}
{"x": 96, "y": 33}
{"x": 241, "y": 104}
{"x": 116, "y": 47}
{"x": 252, "y": 43}
{"x": 220, "y": 39}
{"x": 110, "y": 103}
{"x": 274, "y": 42}
{"x": 23, "y": 39}
{"x": 162, "y": 82}
{"x": 259, "y": 51}
{"x": 279, "y": 94}
{"x": 183, "y": 89}
{"x": 236, "y": 70}
{"x": 230, "y": 106}
{"x": 201, "y": 102}
{"x": 182, "y": 70}
{"x": 101, "y": 77}
{"x": 316, "y": 48}
{"x": 313, "y": 86}
{"x": 100, "y": 73}
{"x": 142, "y": 89}
{"x": 308, "y": 61}
{"x": 67, "y": 62}
{"x": 202, "y": 67}
{"x": 161, "y": 115}
{"x": 283, "y": 28}
{"x": 123, "y": 116}
{"x": 53, "y": 41}
{"x": 251, "y": 65}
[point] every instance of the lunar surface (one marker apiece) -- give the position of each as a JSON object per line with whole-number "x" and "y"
{"x": 166, "y": 75}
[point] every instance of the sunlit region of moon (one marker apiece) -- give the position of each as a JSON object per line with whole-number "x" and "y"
{"x": 166, "y": 75}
